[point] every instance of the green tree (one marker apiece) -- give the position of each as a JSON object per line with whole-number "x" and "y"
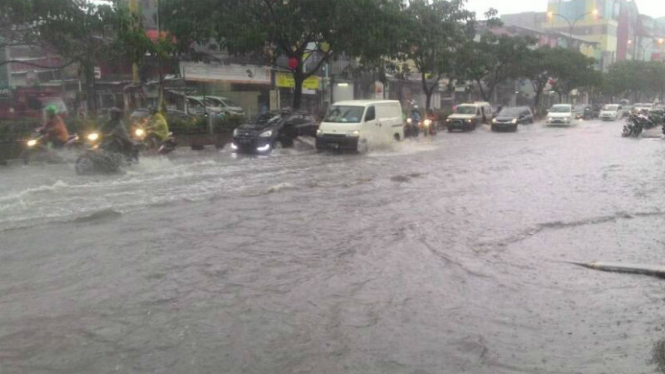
{"x": 297, "y": 29}
{"x": 436, "y": 31}
{"x": 494, "y": 59}
{"x": 81, "y": 31}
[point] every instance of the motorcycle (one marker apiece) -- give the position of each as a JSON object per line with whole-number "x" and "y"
{"x": 106, "y": 156}
{"x": 635, "y": 123}
{"x": 428, "y": 127}
{"x": 152, "y": 143}
{"x": 37, "y": 149}
{"x": 412, "y": 128}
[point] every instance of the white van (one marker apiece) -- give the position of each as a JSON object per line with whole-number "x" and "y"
{"x": 360, "y": 124}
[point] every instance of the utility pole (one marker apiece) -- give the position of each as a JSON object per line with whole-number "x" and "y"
{"x": 134, "y": 9}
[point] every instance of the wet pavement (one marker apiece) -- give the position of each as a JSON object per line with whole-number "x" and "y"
{"x": 444, "y": 255}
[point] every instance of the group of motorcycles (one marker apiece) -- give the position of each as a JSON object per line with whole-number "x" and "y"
{"x": 639, "y": 121}
{"x": 98, "y": 153}
{"x": 415, "y": 126}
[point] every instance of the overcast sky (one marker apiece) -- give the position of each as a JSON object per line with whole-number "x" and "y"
{"x": 654, "y": 8}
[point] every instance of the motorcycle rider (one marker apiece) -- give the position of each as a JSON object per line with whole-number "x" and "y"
{"x": 115, "y": 133}
{"x": 157, "y": 126}
{"x": 54, "y": 130}
{"x": 415, "y": 120}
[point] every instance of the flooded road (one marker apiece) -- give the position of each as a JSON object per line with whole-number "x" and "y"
{"x": 445, "y": 255}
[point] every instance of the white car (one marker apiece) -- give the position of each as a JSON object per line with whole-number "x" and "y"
{"x": 561, "y": 115}
{"x": 225, "y": 105}
{"x": 611, "y": 112}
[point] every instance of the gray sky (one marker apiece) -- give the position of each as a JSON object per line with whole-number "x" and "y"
{"x": 654, "y": 8}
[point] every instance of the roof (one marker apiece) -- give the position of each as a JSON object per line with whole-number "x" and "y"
{"x": 364, "y": 102}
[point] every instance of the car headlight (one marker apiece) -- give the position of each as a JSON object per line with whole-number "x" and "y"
{"x": 93, "y": 137}
{"x": 236, "y": 132}
{"x": 428, "y": 122}
{"x": 266, "y": 134}
{"x": 514, "y": 121}
{"x": 32, "y": 143}
{"x": 353, "y": 134}
{"x": 319, "y": 132}
{"x": 494, "y": 120}
{"x": 469, "y": 120}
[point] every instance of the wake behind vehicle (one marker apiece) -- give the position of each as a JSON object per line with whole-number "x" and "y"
{"x": 561, "y": 115}
{"x": 467, "y": 117}
{"x": 266, "y": 131}
{"x": 510, "y": 118}
{"x": 106, "y": 155}
{"x": 359, "y": 125}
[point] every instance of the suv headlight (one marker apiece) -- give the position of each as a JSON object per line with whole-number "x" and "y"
{"x": 266, "y": 134}
{"x": 353, "y": 134}
{"x": 515, "y": 121}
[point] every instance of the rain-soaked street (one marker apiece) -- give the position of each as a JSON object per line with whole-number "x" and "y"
{"x": 436, "y": 256}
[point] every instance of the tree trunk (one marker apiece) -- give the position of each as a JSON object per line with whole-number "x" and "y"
{"x": 89, "y": 74}
{"x": 297, "y": 91}
{"x": 299, "y": 78}
{"x": 480, "y": 87}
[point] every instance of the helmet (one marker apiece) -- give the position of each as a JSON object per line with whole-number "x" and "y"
{"x": 51, "y": 110}
{"x": 116, "y": 113}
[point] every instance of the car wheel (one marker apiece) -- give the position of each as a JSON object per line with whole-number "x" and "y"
{"x": 397, "y": 137}
{"x": 493, "y": 128}
{"x": 515, "y": 128}
{"x": 450, "y": 129}
{"x": 363, "y": 147}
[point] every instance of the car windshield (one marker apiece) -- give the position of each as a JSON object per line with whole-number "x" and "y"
{"x": 466, "y": 109}
{"x": 231, "y": 103}
{"x": 560, "y": 109}
{"x": 511, "y": 112}
{"x": 345, "y": 114}
{"x": 263, "y": 119}
{"x": 611, "y": 108}
{"x": 213, "y": 103}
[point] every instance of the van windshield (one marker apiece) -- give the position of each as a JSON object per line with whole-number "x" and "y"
{"x": 466, "y": 109}
{"x": 345, "y": 114}
{"x": 611, "y": 108}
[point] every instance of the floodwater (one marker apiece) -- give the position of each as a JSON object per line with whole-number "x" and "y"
{"x": 444, "y": 255}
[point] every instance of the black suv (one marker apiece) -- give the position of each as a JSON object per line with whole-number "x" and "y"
{"x": 262, "y": 134}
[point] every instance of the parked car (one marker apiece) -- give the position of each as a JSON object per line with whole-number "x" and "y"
{"x": 199, "y": 107}
{"x": 561, "y": 114}
{"x": 643, "y": 107}
{"x": 611, "y": 112}
{"x": 510, "y": 118}
{"x": 224, "y": 105}
{"x": 264, "y": 132}
{"x": 584, "y": 112}
{"x": 358, "y": 125}
{"x": 468, "y": 116}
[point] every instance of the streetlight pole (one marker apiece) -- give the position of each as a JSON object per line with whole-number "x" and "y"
{"x": 659, "y": 41}
{"x": 572, "y": 24}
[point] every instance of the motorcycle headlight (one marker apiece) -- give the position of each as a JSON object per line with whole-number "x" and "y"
{"x": 353, "y": 134}
{"x": 428, "y": 122}
{"x": 32, "y": 143}
{"x": 93, "y": 137}
{"x": 266, "y": 134}
{"x": 139, "y": 132}
{"x": 409, "y": 121}
{"x": 494, "y": 120}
